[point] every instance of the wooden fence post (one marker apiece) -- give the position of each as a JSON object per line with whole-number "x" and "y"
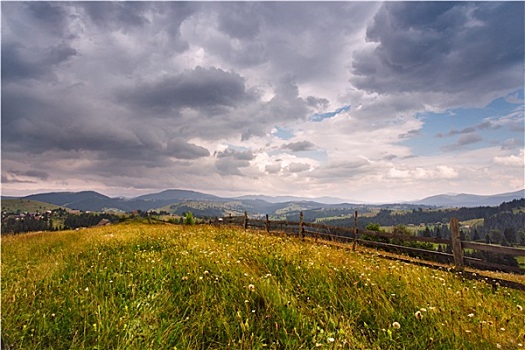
{"x": 457, "y": 250}
{"x": 301, "y": 225}
{"x": 355, "y": 231}
{"x": 245, "y": 220}
{"x": 267, "y": 224}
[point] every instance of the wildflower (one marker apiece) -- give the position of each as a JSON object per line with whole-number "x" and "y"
{"x": 396, "y": 325}
{"x": 470, "y": 315}
{"x": 331, "y": 340}
{"x": 520, "y": 308}
{"x": 251, "y": 287}
{"x": 418, "y": 315}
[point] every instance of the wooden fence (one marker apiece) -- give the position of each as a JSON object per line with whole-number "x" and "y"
{"x": 354, "y": 235}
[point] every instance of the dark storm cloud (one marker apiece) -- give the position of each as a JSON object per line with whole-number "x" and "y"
{"x": 298, "y": 167}
{"x": 49, "y": 16}
{"x": 410, "y": 134}
{"x": 14, "y": 175}
{"x": 230, "y": 161}
{"x": 199, "y": 88}
{"x": 299, "y": 146}
{"x": 183, "y": 150}
{"x": 242, "y": 20}
{"x": 19, "y": 62}
{"x": 442, "y": 47}
{"x": 317, "y": 102}
{"x": 464, "y": 140}
{"x": 116, "y": 15}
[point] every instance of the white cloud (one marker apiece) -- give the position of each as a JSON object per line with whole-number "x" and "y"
{"x": 511, "y": 160}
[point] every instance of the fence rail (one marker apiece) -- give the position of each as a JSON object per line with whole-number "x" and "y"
{"x": 369, "y": 238}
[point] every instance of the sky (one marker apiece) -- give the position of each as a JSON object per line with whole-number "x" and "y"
{"x": 364, "y": 101}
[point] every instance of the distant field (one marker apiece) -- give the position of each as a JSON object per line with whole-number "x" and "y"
{"x": 139, "y": 286}
{"x": 26, "y": 205}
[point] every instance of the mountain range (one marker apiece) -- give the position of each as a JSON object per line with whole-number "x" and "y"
{"x": 177, "y": 200}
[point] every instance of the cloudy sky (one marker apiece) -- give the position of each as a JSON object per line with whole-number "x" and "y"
{"x": 359, "y": 100}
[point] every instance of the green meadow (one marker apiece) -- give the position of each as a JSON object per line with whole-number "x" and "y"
{"x": 161, "y": 286}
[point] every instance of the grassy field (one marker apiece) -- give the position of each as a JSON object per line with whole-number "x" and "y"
{"x": 139, "y": 286}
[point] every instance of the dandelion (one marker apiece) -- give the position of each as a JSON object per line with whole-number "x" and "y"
{"x": 396, "y": 325}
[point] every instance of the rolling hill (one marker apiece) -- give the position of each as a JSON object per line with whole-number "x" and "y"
{"x": 201, "y": 202}
{"x": 470, "y": 200}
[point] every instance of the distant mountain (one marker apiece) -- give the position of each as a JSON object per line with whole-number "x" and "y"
{"x": 285, "y": 199}
{"x": 470, "y": 200}
{"x": 257, "y": 204}
{"x": 178, "y": 195}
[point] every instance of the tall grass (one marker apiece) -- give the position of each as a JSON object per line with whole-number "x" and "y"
{"x": 137, "y": 286}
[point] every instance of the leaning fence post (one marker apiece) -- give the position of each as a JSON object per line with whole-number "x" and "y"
{"x": 301, "y": 225}
{"x": 355, "y": 231}
{"x": 267, "y": 224}
{"x": 457, "y": 250}
{"x": 245, "y": 220}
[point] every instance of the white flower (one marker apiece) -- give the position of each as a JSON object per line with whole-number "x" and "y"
{"x": 251, "y": 287}
{"x": 520, "y": 308}
{"x": 331, "y": 340}
{"x": 470, "y": 315}
{"x": 396, "y": 325}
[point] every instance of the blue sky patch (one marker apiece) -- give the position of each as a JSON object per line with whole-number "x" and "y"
{"x": 498, "y": 123}
{"x": 317, "y": 117}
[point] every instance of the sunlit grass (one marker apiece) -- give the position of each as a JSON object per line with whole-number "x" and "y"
{"x": 133, "y": 286}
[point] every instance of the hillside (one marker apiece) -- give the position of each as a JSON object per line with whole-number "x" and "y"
{"x": 133, "y": 285}
{"x": 26, "y": 205}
